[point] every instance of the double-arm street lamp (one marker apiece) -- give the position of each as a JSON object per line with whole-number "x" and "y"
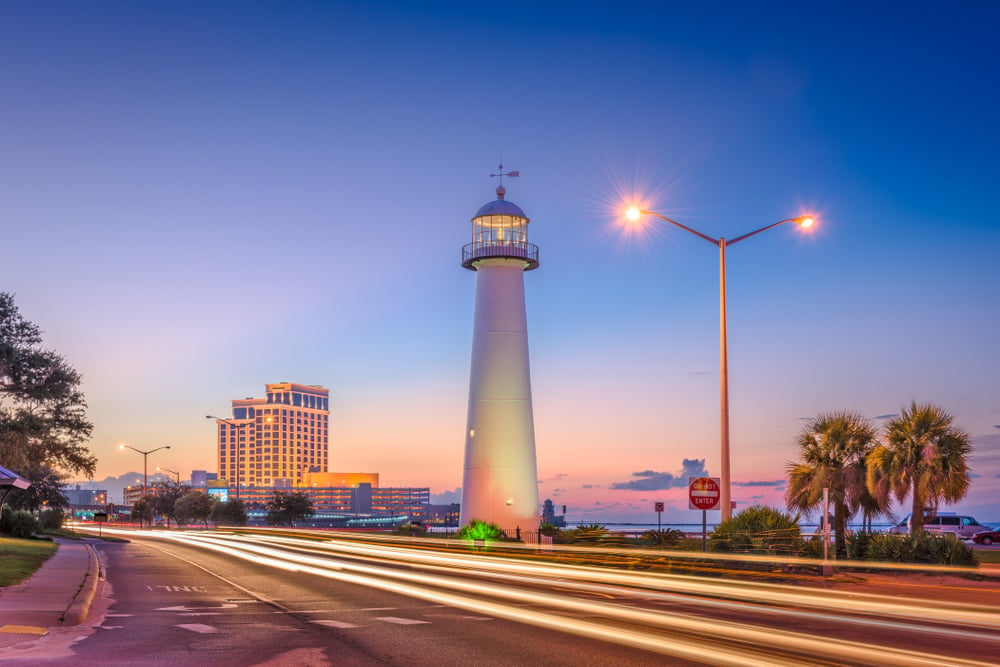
{"x": 172, "y": 472}
{"x": 239, "y": 449}
{"x": 144, "y": 455}
{"x": 722, "y": 243}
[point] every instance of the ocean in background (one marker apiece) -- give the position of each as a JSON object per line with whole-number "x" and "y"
{"x": 807, "y": 528}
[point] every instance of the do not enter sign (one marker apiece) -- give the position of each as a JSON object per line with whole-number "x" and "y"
{"x": 703, "y": 493}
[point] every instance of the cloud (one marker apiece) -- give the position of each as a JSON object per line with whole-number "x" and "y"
{"x": 559, "y": 475}
{"x": 588, "y": 486}
{"x": 760, "y": 483}
{"x": 447, "y": 497}
{"x": 650, "y": 480}
{"x": 996, "y": 426}
{"x": 885, "y": 416}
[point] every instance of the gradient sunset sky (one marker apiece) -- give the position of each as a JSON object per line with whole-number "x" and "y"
{"x": 198, "y": 198}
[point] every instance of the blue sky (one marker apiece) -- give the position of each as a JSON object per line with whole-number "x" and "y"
{"x": 199, "y": 198}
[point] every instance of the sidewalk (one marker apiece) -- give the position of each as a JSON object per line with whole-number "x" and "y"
{"x": 58, "y": 594}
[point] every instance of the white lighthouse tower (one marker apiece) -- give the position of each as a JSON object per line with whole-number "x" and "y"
{"x": 500, "y": 484}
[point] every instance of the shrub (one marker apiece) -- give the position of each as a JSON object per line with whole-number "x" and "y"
{"x": 549, "y": 530}
{"x": 671, "y": 537}
{"x": 758, "y": 529}
{"x": 588, "y": 532}
{"x": 480, "y": 530}
{"x": 51, "y": 519}
{"x": 18, "y": 523}
{"x": 921, "y": 547}
{"x": 858, "y": 543}
{"x": 412, "y": 529}
{"x": 813, "y": 547}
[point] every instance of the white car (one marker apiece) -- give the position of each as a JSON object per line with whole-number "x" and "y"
{"x": 963, "y": 527}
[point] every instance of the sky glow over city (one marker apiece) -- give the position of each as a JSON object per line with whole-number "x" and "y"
{"x": 198, "y": 199}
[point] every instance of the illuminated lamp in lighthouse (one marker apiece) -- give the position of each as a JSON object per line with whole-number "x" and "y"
{"x": 500, "y": 481}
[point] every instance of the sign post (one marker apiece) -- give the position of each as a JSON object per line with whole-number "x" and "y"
{"x": 658, "y": 507}
{"x": 100, "y": 518}
{"x": 703, "y": 494}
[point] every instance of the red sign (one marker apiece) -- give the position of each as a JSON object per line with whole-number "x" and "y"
{"x": 657, "y": 507}
{"x": 703, "y": 493}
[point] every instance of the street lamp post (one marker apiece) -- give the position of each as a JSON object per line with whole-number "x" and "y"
{"x": 172, "y": 472}
{"x": 144, "y": 455}
{"x": 239, "y": 449}
{"x": 722, "y": 244}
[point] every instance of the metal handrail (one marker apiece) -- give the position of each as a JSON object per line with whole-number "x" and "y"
{"x": 514, "y": 250}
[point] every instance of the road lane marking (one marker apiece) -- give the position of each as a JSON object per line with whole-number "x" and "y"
{"x": 337, "y": 624}
{"x": 400, "y": 621}
{"x": 200, "y": 628}
{"x": 182, "y": 607}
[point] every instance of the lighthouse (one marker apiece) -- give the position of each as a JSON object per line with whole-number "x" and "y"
{"x": 500, "y": 481}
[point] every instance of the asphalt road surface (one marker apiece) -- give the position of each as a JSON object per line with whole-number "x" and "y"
{"x": 271, "y": 599}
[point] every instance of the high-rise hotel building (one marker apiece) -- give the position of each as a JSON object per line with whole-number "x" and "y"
{"x": 275, "y": 441}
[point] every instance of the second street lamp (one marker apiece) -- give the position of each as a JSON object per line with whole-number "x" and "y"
{"x": 722, "y": 243}
{"x": 144, "y": 455}
{"x": 172, "y": 472}
{"x": 239, "y": 448}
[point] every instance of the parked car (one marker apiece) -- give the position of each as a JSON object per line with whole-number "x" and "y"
{"x": 987, "y": 537}
{"x": 963, "y": 527}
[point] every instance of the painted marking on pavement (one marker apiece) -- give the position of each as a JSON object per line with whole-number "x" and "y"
{"x": 200, "y": 628}
{"x": 400, "y": 621}
{"x": 186, "y": 608}
{"x": 337, "y": 624}
{"x": 179, "y": 589}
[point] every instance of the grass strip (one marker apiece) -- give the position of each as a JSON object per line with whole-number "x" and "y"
{"x": 20, "y": 558}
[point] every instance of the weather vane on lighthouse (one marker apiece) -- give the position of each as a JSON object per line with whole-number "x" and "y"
{"x": 501, "y": 191}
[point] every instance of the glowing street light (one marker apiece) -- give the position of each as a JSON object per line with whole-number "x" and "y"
{"x": 172, "y": 472}
{"x": 634, "y": 214}
{"x": 123, "y": 446}
{"x": 239, "y": 446}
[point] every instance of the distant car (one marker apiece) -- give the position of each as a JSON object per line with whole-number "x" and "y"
{"x": 987, "y": 537}
{"x": 962, "y": 527}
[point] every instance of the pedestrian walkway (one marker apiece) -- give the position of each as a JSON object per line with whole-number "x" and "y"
{"x": 58, "y": 594}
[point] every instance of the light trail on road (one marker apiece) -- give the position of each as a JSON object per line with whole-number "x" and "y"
{"x": 508, "y": 588}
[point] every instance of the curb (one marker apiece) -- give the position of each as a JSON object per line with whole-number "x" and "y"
{"x": 79, "y": 608}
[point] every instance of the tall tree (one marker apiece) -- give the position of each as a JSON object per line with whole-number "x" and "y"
{"x": 287, "y": 507}
{"x": 163, "y": 499}
{"x": 43, "y": 421}
{"x": 924, "y": 458}
{"x": 193, "y": 505}
{"x": 834, "y": 447}
{"x": 232, "y": 512}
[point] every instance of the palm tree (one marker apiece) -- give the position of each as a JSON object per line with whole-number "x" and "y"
{"x": 924, "y": 457}
{"x": 834, "y": 449}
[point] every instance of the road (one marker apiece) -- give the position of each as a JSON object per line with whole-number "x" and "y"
{"x": 178, "y": 598}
